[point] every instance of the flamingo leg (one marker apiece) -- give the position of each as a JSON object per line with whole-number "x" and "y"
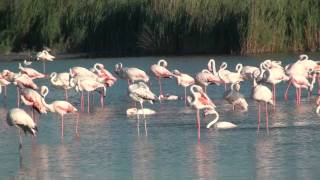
{"x": 5, "y": 91}
{"x": 77, "y": 123}
{"x": 274, "y": 94}
{"x": 66, "y": 94}
{"x": 185, "y": 96}
{"x": 198, "y": 123}
{"x": 44, "y": 66}
{"x": 81, "y": 102}
{"x": 160, "y": 86}
{"x": 286, "y": 93}
{"x": 18, "y": 97}
{"x": 88, "y": 95}
{"x": 259, "y": 118}
{"x": 225, "y": 86}
{"x": 267, "y": 119}
{"x": 62, "y": 128}
{"x": 20, "y": 140}
{"x": 101, "y": 100}
{"x": 297, "y": 96}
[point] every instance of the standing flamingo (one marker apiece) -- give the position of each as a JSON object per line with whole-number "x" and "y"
{"x": 140, "y": 92}
{"x": 20, "y": 119}
{"x": 4, "y": 83}
{"x": 301, "y": 82}
{"x": 183, "y": 80}
{"x": 230, "y": 77}
{"x": 160, "y": 71}
{"x": 199, "y": 100}
{"x": 131, "y": 74}
{"x": 262, "y": 93}
{"x": 108, "y": 78}
{"x": 61, "y": 80}
{"x": 205, "y": 77}
{"x": 273, "y": 75}
{"x": 33, "y": 99}
{"x": 23, "y": 81}
{"x": 44, "y": 56}
{"x": 60, "y": 107}
{"x": 89, "y": 85}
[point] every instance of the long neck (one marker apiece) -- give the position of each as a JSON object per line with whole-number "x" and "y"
{"x": 54, "y": 78}
{"x": 212, "y": 66}
{"x": 48, "y": 106}
{"x": 215, "y": 119}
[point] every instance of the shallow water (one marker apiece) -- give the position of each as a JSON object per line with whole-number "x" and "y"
{"x": 110, "y": 147}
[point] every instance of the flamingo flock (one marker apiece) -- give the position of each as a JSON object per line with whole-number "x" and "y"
{"x": 302, "y": 74}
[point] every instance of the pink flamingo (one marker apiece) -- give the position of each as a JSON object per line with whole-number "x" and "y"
{"x": 20, "y": 119}
{"x": 33, "y": 99}
{"x": 200, "y": 100}
{"x": 131, "y": 74}
{"x": 301, "y": 82}
{"x": 82, "y": 72}
{"x": 89, "y": 85}
{"x": 230, "y": 77}
{"x": 5, "y": 83}
{"x": 160, "y": 71}
{"x": 107, "y": 77}
{"x": 262, "y": 93}
{"x": 205, "y": 77}
{"x": 61, "y": 80}
{"x": 32, "y": 73}
{"x": 273, "y": 75}
{"x": 60, "y": 107}
{"x": 23, "y": 81}
{"x": 184, "y": 80}
{"x": 44, "y": 56}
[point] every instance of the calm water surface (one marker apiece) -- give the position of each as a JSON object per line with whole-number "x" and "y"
{"x": 110, "y": 147}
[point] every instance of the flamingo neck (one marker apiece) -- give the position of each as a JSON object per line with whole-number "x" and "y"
{"x": 215, "y": 119}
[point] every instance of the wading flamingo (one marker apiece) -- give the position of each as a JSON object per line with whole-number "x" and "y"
{"x": 216, "y": 124}
{"x": 234, "y": 97}
{"x": 60, "y": 107}
{"x": 61, "y": 80}
{"x": 160, "y": 71}
{"x": 44, "y": 56}
{"x": 20, "y": 119}
{"x": 131, "y": 74}
{"x": 183, "y": 80}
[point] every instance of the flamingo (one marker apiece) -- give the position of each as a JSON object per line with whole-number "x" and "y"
{"x": 61, "y": 80}
{"x": 230, "y": 77}
{"x": 20, "y": 119}
{"x": 44, "y": 56}
{"x": 199, "y": 100}
{"x": 273, "y": 74}
{"x": 32, "y": 98}
{"x": 5, "y": 83}
{"x": 262, "y": 93}
{"x": 137, "y": 112}
{"x": 205, "y": 77}
{"x": 32, "y": 73}
{"x": 234, "y": 97}
{"x": 89, "y": 85}
{"x": 23, "y": 81}
{"x": 299, "y": 82}
{"x": 247, "y": 72}
{"x": 184, "y": 80}
{"x": 109, "y": 79}
{"x": 216, "y": 124}
{"x": 131, "y": 74}
{"x": 60, "y": 107}
{"x": 140, "y": 92}
{"x": 82, "y": 73}
{"x": 27, "y": 63}
{"x": 212, "y": 66}
{"x": 160, "y": 71}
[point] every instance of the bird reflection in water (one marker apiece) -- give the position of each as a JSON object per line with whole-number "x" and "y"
{"x": 204, "y": 166}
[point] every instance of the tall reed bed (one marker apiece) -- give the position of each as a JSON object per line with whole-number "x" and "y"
{"x": 121, "y": 27}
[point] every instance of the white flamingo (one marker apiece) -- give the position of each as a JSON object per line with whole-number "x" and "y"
{"x": 160, "y": 71}
{"x": 183, "y": 80}
{"x": 20, "y": 119}
{"x": 131, "y": 74}
{"x": 44, "y": 56}
{"x": 216, "y": 124}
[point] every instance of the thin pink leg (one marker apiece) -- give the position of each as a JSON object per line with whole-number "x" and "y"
{"x": 5, "y": 91}
{"x": 185, "y": 96}
{"x": 62, "y": 124}
{"x": 274, "y": 94}
{"x": 267, "y": 119}
{"x": 259, "y": 118}
{"x": 297, "y": 96}
{"x": 77, "y": 123}
{"x": 198, "y": 123}
{"x": 82, "y": 101}
{"x": 44, "y": 67}
{"x": 160, "y": 86}
{"x": 88, "y": 101}
{"x": 225, "y": 86}
{"x": 66, "y": 95}
{"x": 286, "y": 93}
{"x": 18, "y": 97}
{"x": 101, "y": 100}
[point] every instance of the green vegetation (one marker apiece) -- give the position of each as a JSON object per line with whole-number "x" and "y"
{"x": 122, "y": 27}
